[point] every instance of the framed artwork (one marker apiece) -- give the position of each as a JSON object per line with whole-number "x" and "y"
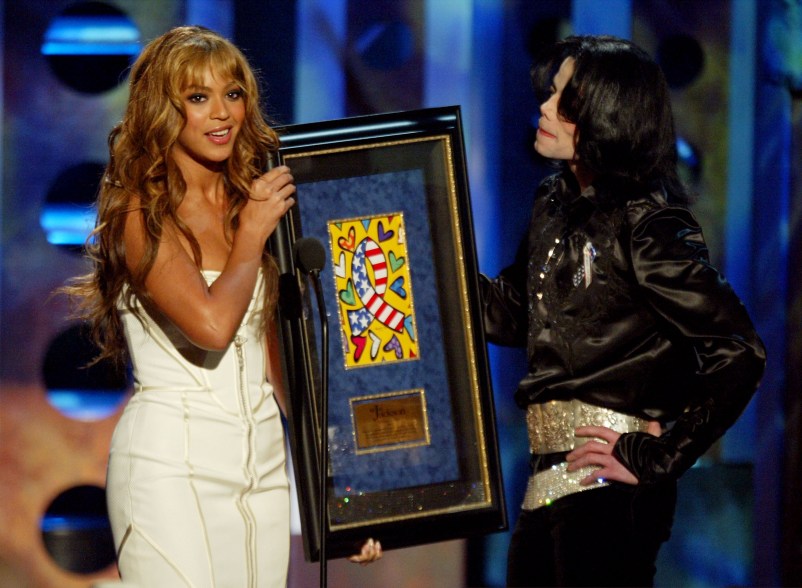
{"x": 412, "y": 446}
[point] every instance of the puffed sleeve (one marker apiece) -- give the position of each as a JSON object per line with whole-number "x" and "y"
{"x": 504, "y": 303}
{"x": 697, "y": 306}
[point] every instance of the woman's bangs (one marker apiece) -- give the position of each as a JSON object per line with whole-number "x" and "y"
{"x": 221, "y": 63}
{"x": 225, "y": 64}
{"x": 193, "y": 73}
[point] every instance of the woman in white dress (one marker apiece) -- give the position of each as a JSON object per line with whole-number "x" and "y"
{"x": 197, "y": 488}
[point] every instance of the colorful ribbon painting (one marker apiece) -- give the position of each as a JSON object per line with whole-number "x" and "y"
{"x": 372, "y": 278}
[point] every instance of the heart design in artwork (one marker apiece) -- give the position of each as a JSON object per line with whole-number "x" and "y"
{"x": 359, "y": 346}
{"x": 398, "y": 287}
{"x": 348, "y": 244}
{"x": 374, "y": 345}
{"x": 348, "y": 295}
{"x": 395, "y": 345}
{"x": 396, "y": 262}
{"x": 384, "y": 235}
{"x": 339, "y": 268}
{"x": 410, "y": 327}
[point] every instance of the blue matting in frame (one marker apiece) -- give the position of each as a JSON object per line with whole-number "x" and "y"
{"x": 362, "y": 196}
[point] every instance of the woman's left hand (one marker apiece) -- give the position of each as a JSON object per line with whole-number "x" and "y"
{"x": 371, "y": 551}
{"x": 596, "y": 453}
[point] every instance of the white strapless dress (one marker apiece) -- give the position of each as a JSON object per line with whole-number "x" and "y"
{"x": 197, "y": 486}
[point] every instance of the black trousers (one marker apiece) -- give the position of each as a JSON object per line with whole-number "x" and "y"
{"x": 602, "y": 537}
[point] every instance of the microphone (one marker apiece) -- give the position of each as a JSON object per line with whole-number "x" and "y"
{"x": 310, "y": 256}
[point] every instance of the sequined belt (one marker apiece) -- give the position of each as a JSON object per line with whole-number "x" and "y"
{"x": 551, "y": 427}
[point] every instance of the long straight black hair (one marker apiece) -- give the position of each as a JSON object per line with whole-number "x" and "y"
{"x": 619, "y": 100}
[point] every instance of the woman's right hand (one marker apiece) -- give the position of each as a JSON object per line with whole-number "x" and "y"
{"x": 270, "y": 198}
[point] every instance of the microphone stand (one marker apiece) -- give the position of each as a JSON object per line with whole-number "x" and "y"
{"x": 324, "y": 423}
{"x": 310, "y": 257}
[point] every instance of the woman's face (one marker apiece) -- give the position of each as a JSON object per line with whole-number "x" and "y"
{"x": 215, "y": 110}
{"x": 555, "y": 135}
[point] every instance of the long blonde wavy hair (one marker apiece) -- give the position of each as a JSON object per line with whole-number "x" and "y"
{"x": 141, "y": 169}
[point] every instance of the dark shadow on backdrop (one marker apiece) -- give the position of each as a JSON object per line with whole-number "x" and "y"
{"x": 265, "y": 31}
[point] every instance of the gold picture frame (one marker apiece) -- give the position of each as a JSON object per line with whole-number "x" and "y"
{"x": 413, "y": 452}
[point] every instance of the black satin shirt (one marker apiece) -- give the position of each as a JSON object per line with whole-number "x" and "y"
{"x": 619, "y": 306}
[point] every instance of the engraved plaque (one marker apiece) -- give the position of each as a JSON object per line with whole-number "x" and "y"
{"x": 389, "y": 421}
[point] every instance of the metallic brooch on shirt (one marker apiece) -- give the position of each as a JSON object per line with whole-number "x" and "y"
{"x": 374, "y": 292}
{"x": 583, "y": 274}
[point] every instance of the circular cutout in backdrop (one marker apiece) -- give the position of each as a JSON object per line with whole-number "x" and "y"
{"x": 68, "y": 214}
{"x": 74, "y": 387}
{"x": 90, "y": 46}
{"x": 76, "y": 530}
